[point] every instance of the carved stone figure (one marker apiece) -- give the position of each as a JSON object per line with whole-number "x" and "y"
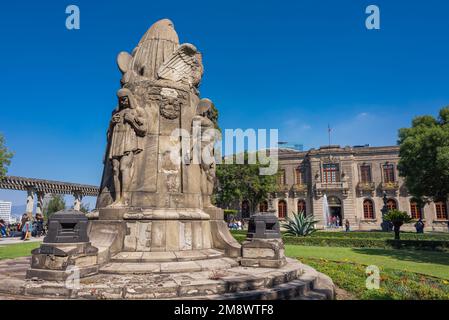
{"x": 127, "y": 124}
{"x": 206, "y": 149}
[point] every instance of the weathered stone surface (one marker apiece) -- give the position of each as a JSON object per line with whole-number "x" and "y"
{"x": 266, "y": 253}
{"x": 292, "y": 281}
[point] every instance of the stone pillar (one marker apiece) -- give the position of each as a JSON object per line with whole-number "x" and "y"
{"x": 78, "y": 198}
{"x": 30, "y": 202}
{"x": 40, "y": 203}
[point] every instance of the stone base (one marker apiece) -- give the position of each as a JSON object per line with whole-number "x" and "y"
{"x": 292, "y": 281}
{"x": 267, "y": 253}
{"x": 56, "y": 261}
{"x": 160, "y": 230}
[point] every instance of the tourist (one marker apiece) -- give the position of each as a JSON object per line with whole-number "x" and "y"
{"x": 27, "y": 228}
{"x": 419, "y": 225}
{"x": 239, "y": 225}
{"x": 38, "y": 229}
{"x": 3, "y": 229}
{"x": 337, "y": 222}
{"x": 22, "y": 224}
{"x": 334, "y": 221}
{"x": 347, "y": 226}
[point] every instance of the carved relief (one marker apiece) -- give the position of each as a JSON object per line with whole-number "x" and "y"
{"x": 185, "y": 65}
{"x": 170, "y": 107}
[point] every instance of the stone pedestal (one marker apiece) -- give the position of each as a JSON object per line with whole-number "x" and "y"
{"x": 66, "y": 249}
{"x": 264, "y": 246}
{"x": 58, "y": 261}
{"x": 265, "y": 253}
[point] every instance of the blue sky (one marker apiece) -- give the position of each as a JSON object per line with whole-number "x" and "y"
{"x": 291, "y": 65}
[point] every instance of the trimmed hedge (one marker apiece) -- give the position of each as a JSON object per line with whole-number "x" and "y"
{"x": 434, "y": 245}
{"x": 370, "y": 235}
{"x": 381, "y": 235}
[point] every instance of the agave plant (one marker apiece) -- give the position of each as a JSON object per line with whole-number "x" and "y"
{"x": 300, "y": 225}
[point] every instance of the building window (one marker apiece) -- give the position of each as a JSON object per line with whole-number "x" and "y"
{"x": 301, "y": 207}
{"x": 263, "y": 206}
{"x": 281, "y": 177}
{"x": 330, "y": 173}
{"x": 282, "y": 209}
{"x": 389, "y": 173}
{"x": 415, "y": 210}
{"x": 365, "y": 173}
{"x": 368, "y": 209}
{"x": 441, "y": 210}
{"x": 299, "y": 178}
{"x": 391, "y": 204}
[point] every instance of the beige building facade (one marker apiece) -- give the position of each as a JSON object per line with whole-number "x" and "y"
{"x": 354, "y": 180}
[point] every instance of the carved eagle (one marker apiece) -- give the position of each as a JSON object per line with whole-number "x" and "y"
{"x": 184, "y": 65}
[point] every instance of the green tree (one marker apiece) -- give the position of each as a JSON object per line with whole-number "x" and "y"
{"x": 84, "y": 208}
{"x": 57, "y": 203}
{"x": 397, "y": 218}
{"x": 424, "y": 156}
{"x": 5, "y": 157}
{"x": 238, "y": 182}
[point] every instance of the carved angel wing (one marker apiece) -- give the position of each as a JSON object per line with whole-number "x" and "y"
{"x": 184, "y": 65}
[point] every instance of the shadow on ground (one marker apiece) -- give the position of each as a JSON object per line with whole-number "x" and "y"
{"x": 408, "y": 255}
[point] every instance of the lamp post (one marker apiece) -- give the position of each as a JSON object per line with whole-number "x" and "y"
{"x": 386, "y": 225}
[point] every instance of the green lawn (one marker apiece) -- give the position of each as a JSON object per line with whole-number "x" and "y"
{"x": 430, "y": 263}
{"x": 394, "y": 284}
{"x": 11, "y": 251}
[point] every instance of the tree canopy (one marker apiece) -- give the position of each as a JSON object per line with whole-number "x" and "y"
{"x": 424, "y": 156}
{"x": 237, "y": 182}
{"x": 57, "y": 203}
{"x": 5, "y": 157}
{"x": 84, "y": 208}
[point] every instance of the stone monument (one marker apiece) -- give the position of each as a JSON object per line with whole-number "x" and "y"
{"x": 155, "y": 232}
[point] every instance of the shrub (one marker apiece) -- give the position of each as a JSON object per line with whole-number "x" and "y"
{"x": 229, "y": 214}
{"x": 300, "y": 225}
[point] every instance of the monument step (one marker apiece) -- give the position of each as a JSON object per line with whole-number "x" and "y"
{"x": 292, "y": 281}
{"x": 168, "y": 267}
{"x": 169, "y": 256}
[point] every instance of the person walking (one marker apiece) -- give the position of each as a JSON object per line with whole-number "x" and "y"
{"x": 419, "y": 225}
{"x": 347, "y": 226}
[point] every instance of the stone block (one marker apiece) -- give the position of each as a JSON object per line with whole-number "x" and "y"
{"x": 263, "y": 253}
{"x": 207, "y": 241}
{"x": 172, "y": 235}
{"x": 130, "y": 241}
{"x": 258, "y": 253}
{"x": 158, "y": 236}
{"x": 197, "y": 235}
{"x": 143, "y": 230}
